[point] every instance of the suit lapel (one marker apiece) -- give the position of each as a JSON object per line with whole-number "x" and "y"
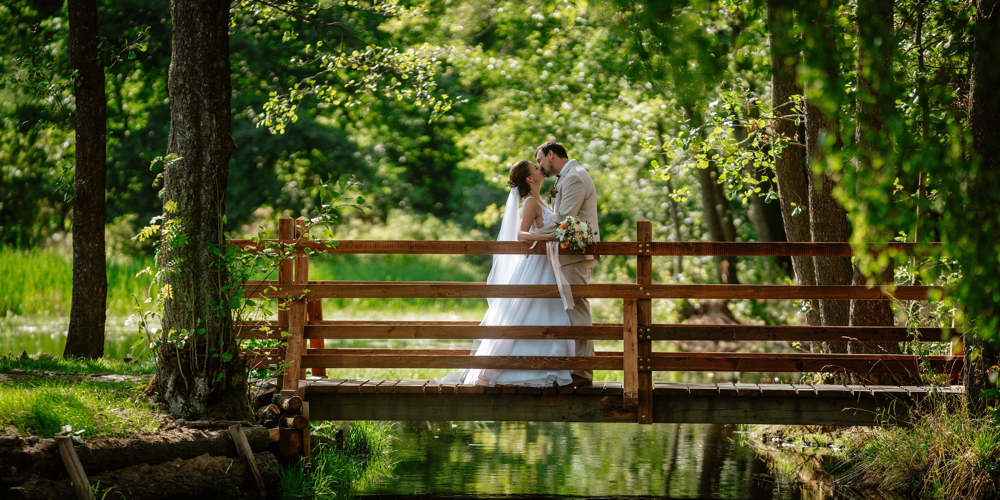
{"x": 567, "y": 169}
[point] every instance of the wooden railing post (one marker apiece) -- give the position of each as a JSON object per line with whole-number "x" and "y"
{"x": 644, "y": 320}
{"x": 295, "y": 312}
{"x": 314, "y": 307}
{"x": 630, "y": 356}
{"x": 286, "y": 232}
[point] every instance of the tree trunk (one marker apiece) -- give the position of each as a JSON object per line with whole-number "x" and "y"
{"x": 718, "y": 216}
{"x": 789, "y": 165}
{"x": 675, "y": 218}
{"x": 85, "y": 338}
{"x": 719, "y": 220}
{"x": 875, "y": 104}
{"x": 199, "y": 373}
{"x": 984, "y": 124}
{"x": 828, "y": 223}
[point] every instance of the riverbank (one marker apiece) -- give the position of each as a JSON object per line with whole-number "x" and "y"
{"x": 946, "y": 452}
{"x": 103, "y": 405}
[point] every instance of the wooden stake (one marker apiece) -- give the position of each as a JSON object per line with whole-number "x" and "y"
{"x": 75, "y": 469}
{"x": 307, "y": 433}
{"x": 246, "y": 456}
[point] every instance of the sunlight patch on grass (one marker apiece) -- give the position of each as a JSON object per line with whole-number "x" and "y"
{"x": 42, "y": 406}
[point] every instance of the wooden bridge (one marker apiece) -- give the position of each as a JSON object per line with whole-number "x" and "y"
{"x": 638, "y": 398}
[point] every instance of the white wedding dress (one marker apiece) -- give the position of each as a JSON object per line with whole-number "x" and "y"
{"x": 523, "y": 270}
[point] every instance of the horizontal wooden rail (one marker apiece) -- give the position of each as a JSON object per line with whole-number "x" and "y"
{"x": 462, "y": 361}
{"x": 458, "y": 330}
{"x": 691, "y": 248}
{"x": 386, "y": 290}
{"x": 802, "y": 362}
{"x": 669, "y": 361}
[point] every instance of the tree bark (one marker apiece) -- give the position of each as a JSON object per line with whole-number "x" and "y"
{"x": 828, "y": 223}
{"x": 875, "y": 105}
{"x": 718, "y": 216}
{"x": 984, "y": 125}
{"x": 719, "y": 219}
{"x": 789, "y": 165}
{"x": 199, "y": 372}
{"x": 85, "y": 338}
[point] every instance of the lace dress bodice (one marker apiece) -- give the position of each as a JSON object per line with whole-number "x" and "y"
{"x": 548, "y": 218}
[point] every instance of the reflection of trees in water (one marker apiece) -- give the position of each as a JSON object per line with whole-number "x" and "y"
{"x": 574, "y": 459}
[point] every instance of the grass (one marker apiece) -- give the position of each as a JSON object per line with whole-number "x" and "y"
{"x": 40, "y": 402}
{"x": 40, "y": 282}
{"x": 142, "y": 366}
{"x": 338, "y": 471}
{"x": 43, "y": 406}
{"x": 947, "y": 453}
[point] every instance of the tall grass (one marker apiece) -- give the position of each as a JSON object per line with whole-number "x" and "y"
{"x": 948, "y": 452}
{"x": 40, "y": 282}
{"x": 337, "y": 470}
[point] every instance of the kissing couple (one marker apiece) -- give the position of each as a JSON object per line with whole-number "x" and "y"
{"x": 573, "y": 194}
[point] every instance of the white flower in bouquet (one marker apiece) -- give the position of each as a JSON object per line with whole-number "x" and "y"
{"x": 574, "y": 233}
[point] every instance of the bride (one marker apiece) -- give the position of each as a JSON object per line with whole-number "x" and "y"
{"x": 536, "y": 222}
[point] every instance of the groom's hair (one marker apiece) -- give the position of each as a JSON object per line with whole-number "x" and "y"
{"x": 555, "y": 147}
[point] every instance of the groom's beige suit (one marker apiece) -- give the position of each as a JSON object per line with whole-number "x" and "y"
{"x": 577, "y": 196}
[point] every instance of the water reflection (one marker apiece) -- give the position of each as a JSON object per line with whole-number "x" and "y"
{"x": 575, "y": 459}
{"x": 47, "y": 335}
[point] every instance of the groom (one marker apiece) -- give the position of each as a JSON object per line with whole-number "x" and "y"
{"x": 574, "y": 195}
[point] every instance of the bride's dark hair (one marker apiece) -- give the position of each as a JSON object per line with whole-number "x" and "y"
{"x": 519, "y": 174}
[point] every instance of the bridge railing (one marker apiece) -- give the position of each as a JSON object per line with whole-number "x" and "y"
{"x": 306, "y": 329}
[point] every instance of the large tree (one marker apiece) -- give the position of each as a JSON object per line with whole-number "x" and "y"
{"x": 789, "y": 164}
{"x": 199, "y": 372}
{"x": 984, "y": 200}
{"x": 823, "y": 95}
{"x": 90, "y": 282}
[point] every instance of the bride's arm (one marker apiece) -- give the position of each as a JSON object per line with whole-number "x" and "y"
{"x": 530, "y": 213}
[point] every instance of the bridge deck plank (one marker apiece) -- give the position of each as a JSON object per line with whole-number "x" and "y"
{"x": 673, "y": 402}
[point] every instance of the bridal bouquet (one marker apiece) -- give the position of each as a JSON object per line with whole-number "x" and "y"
{"x": 574, "y": 233}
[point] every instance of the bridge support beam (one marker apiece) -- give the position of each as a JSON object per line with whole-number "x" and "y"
{"x": 718, "y": 409}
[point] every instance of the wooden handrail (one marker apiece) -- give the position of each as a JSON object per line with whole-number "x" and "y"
{"x": 684, "y": 248}
{"x": 660, "y": 361}
{"x": 680, "y": 332}
{"x": 403, "y": 289}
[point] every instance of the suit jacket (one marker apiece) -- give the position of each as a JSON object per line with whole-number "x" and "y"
{"x": 577, "y": 196}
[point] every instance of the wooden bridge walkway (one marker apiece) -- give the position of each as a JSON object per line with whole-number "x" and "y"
{"x": 637, "y": 398}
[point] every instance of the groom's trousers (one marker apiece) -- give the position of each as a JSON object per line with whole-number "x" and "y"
{"x": 579, "y": 273}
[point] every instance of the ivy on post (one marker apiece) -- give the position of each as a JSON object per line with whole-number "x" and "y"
{"x": 644, "y": 320}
